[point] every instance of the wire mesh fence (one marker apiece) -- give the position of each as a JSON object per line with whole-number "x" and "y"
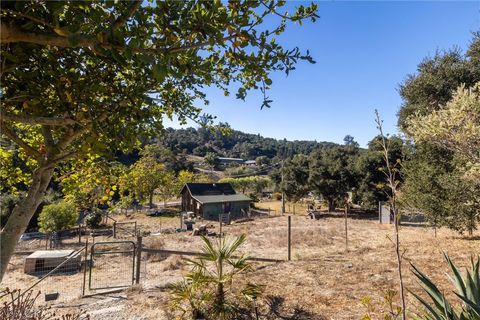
{"x": 112, "y": 265}
{"x": 56, "y": 274}
{"x": 65, "y": 274}
{"x": 124, "y": 230}
{"x": 108, "y": 263}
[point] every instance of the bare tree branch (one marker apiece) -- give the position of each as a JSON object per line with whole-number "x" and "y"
{"x": 37, "y": 120}
{"x": 52, "y": 163}
{"x": 392, "y": 183}
{"x": 75, "y": 134}
{"x": 11, "y": 33}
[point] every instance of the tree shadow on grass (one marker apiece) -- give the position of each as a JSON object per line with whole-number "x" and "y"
{"x": 276, "y": 309}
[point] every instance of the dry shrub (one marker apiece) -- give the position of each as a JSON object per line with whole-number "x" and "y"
{"x": 21, "y": 306}
{"x": 156, "y": 243}
{"x": 363, "y": 250}
{"x": 173, "y": 263}
{"x": 134, "y": 289}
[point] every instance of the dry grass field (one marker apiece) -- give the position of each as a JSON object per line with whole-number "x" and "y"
{"x": 323, "y": 279}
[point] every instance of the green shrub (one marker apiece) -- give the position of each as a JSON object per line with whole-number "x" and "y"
{"x": 58, "y": 216}
{"x": 253, "y": 196}
{"x": 210, "y": 290}
{"x": 93, "y": 219}
{"x": 277, "y": 196}
{"x": 7, "y": 203}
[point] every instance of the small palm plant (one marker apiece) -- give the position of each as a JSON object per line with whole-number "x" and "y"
{"x": 207, "y": 291}
{"x": 467, "y": 289}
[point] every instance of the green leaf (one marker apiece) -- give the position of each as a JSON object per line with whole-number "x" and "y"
{"x": 159, "y": 72}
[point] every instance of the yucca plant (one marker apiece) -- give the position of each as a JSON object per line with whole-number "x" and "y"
{"x": 207, "y": 290}
{"x": 467, "y": 289}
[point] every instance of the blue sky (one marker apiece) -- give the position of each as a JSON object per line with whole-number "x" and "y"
{"x": 364, "y": 50}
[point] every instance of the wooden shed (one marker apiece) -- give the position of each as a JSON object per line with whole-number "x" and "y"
{"x": 209, "y": 200}
{"x": 46, "y": 260}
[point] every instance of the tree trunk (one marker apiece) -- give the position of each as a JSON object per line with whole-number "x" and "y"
{"x": 21, "y": 215}
{"x": 331, "y": 205}
{"x": 220, "y": 298}
{"x": 150, "y": 200}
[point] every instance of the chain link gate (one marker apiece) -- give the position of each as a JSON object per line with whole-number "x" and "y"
{"x": 111, "y": 265}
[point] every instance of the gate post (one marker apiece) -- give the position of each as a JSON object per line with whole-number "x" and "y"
{"x": 86, "y": 265}
{"x": 139, "y": 259}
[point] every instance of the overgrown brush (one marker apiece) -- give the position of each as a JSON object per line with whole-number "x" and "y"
{"x": 21, "y": 306}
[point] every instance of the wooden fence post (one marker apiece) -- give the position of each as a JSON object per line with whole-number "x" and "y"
{"x": 139, "y": 259}
{"x": 346, "y": 227}
{"x": 289, "y": 235}
{"x": 114, "y": 229}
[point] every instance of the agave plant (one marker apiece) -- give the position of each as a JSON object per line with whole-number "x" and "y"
{"x": 206, "y": 291}
{"x": 467, "y": 289}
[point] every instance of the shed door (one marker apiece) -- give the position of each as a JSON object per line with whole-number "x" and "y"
{"x": 226, "y": 207}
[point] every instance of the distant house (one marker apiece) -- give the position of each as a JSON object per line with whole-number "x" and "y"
{"x": 209, "y": 200}
{"x": 250, "y": 163}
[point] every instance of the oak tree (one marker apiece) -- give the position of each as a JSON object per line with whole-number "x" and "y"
{"x": 94, "y": 77}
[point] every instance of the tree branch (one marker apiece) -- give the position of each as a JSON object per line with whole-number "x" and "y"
{"x": 26, "y": 16}
{"x": 17, "y": 140}
{"x": 52, "y": 163}
{"x": 48, "y": 138}
{"x": 11, "y": 33}
{"x": 69, "y": 138}
{"x": 37, "y": 120}
{"x": 124, "y": 18}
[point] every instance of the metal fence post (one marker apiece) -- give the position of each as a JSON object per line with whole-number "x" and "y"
{"x": 221, "y": 223}
{"x": 139, "y": 259}
{"x": 85, "y": 265}
{"x": 289, "y": 235}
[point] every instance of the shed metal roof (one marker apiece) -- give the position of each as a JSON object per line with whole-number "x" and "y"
{"x": 209, "y": 189}
{"x": 222, "y": 198}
